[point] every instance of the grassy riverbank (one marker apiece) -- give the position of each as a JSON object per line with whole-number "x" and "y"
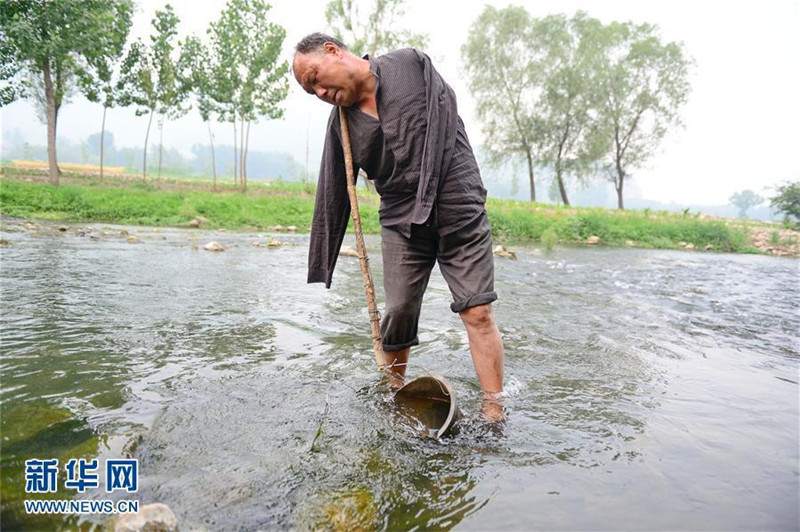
{"x": 176, "y": 202}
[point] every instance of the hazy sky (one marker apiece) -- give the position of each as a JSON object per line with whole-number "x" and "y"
{"x": 741, "y": 122}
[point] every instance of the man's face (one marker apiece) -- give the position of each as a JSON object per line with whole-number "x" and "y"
{"x": 327, "y": 74}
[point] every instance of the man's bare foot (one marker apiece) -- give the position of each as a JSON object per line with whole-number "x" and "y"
{"x": 395, "y": 381}
{"x": 493, "y": 407}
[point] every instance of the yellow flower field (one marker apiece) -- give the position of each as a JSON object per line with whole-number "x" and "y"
{"x": 70, "y": 167}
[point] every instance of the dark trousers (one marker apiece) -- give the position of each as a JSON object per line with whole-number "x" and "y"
{"x": 465, "y": 260}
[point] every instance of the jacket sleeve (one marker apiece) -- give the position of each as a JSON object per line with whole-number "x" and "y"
{"x": 331, "y": 209}
{"x": 440, "y": 138}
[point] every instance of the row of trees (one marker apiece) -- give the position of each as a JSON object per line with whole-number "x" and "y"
{"x": 578, "y": 97}
{"x": 50, "y": 47}
{"x": 583, "y": 98}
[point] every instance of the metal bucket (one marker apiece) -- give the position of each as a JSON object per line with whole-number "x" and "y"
{"x": 430, "y": 401}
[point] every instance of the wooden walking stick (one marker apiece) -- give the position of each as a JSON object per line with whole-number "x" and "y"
{"x": 363, "y": 261}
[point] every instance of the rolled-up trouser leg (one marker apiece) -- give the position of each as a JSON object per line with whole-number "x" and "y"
{"x": 467, "y": 264}
{"x": 407, "y": 265}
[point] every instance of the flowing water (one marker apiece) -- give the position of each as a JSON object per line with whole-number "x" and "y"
{"x": 646, "y": 389}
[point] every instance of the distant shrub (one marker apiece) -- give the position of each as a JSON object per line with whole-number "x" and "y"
{"x": 549, "y": 238}
{"x": 787, "y": 201}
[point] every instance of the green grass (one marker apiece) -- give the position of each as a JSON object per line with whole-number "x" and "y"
{"x": 512, "y": 220}
{"x": 135, "y": 202}
{"x": 142, "y": 204}
{"x": 175, "y": 202}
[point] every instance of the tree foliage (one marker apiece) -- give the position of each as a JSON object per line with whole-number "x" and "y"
{"x": 195, "y": 74}
{"x": 96, "y": 75}
{"x": 745, "y": 199}
{"x": 12, "y": 86}
{"x": 787, "y": 201}
{"x": 50, "y": 39}
{"x": 369, "y": 26}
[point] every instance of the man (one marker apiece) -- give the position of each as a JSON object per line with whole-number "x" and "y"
{"x": 406, "y": 134}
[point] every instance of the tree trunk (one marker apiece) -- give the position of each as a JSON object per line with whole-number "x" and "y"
{"x": 58, "y": 91}
{"x": 235, "y": 153}
{"x": 530, "y": 174}
{"x": 561, "y": 188}
{"x": 52, "y": 113}
{"x": 102, "y": 135}
{"x": 160, "y": 143}
{"x": 620, "y": 178}
{"x": 246, "y": 147}
{"x": 146, "y": 138}
{"x": 213, "y": 159}
{"x": 241, "y": 156}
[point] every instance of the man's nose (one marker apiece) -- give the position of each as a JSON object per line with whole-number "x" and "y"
{"x": 321, "y": 92}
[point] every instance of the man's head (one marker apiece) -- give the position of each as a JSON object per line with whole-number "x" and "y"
{"x": 324, "y": 66}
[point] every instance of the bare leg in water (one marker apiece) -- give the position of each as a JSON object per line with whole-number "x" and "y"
{"x": 486, "y": 347}
{"x": 396, "y": 362}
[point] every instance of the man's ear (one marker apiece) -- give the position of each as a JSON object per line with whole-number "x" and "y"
{"x": 331, "y": 48}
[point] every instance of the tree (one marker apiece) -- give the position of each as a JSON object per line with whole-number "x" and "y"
{"x": 172, "y": 93}
{"x": 505, "y": 71}
{"x": 99, "y": 143}
{"x": 787, "y": 201}
{"x": 744, "y": 200}
{"x": 49, "y": 38}
{"x": 140, "y": 82}
{"x": 368, "y": 26}
{"x": 96, "y": 77}
{"x": 150, "y": 80}
{"x": 246, "y": 77}
{"x": 565, "y": 111}
{"x": 643, "y": 84}
{"x": 194, "y": 72}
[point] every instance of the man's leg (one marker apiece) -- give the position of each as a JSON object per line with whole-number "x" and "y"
{"x": 407, "y": 265}
{"x": 467, "y": 264}
{"x": 486, "y": 347}
{"x": 396, "y": 362}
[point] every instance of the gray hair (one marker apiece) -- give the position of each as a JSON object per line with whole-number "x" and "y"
{"x": 314, "y": 43}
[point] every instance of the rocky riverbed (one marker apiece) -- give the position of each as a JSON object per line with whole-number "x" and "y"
{"x": 775, "y": 240}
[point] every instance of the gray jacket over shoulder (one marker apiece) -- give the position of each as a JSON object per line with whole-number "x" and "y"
{"x": 435, "y": 177}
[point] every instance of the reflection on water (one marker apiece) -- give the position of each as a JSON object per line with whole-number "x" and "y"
{"x": 647, "y": 389}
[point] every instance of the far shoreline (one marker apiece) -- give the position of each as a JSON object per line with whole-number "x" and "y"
{"x": 184, "y": 203}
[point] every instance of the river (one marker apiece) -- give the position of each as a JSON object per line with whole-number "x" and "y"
{"x": 647, "y": 389}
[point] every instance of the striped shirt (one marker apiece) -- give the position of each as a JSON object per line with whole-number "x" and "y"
{"x": 418, "y": 139}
